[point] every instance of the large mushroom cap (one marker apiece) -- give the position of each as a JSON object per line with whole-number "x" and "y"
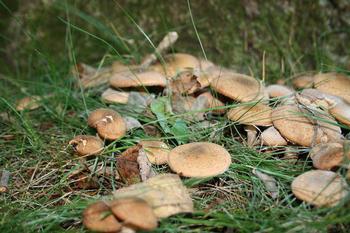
{"x": 108, "y": 123}
{"x": 156, "y": 151}
{"x": 315, "y": 98}
{"x": 301, "y": 127}
{"x": 96, "y": 217}
{"x": 87, "y": 145}
{"x": 271, "y": 137}
{"x": 341, "y": 112}
{"x": 176, "y": 63}
{"x": 199, "y": 159}
{"x": 238, "y": 87}
{"x": 277, "y": 90}
{"x": 325, "y": 156}
{"x": 258, "y": 114}
{"x": 135, "y": 213}
{"x": 146, "y": 78}
{"x": 334, "y": 84}
{"x": 320, "y": 188}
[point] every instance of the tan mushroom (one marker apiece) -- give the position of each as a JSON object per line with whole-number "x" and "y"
{"x": 108, "y": 123}
{"x": 326, "y": 156}
{"x": 334, "y": 84}
{"x": 206, "y": 76}
{"x": 146, "y": 78}
{"x": 112, "y": 96}
{"x": 320, "y": 188}
{"x": 85, "y": 145}
{"x": 314, "y": 98}
{"x": 176, "y": 63}
{"x": 97, "y": 217}
{"x": 305, "y": 128}
{"x": 252, "y": 133}
{"x": 253, "y": 114}
{"x": 239, "y": 87}
{"x": 271, "y": 137}
{"x": 305, "y": 80}
{"x": 205, "y": 64}
{"x": 277, "y": 90}
{"x": 199, "y": 159}
{"x": 134, "y": 213}
{"x": 341, "y": 112}
{"x": 28, "y": 103}
{"x": 156, "y": 151}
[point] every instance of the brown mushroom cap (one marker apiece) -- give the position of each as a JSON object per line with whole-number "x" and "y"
{"x": 205, "y": 77}
{"x": 113, "y": 96}
{"x": 277, "y": 90}
{"x": 341, "y": 112}
{"x": 320, "y": 188}
{"x": 146, "y": 78}
{"x": 325, "y": 156}
{"x": 271, "y": 137}
{"x": 238, "y": 87}
{"x": 199, "y": 159}
{"x": 258, "y": 114}
{"x": 156, "y": 151}
{"x": 98, "y": 114}
{"x": 315, "y": 98}
{"x": 302, "y": 81}
{"x": 176, "y": 63}
{"x": 294, "y": 124}
{"x": 86, "y": 145}
{"x": 28, "y": 103}
{"x": 205, "y": 64}
{"x": 134, "y": 213}
{"x": 96, "y": 217}
{"x": 334, "y": 84}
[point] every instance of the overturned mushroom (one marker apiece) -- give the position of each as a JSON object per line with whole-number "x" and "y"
{"x": 134, "y": 213}
{"x": 257, "y": 114}
{"x": 199, "y": 159}
{"x": 156, "y": 151}
{"x": 328, "y": 155}
{"x": 320, "y": 188}
{"x": 85, "y": 145}
{"x": 97, "y": 217}
{"x": 238, "y": 87}
{"x": 271, "y": 137}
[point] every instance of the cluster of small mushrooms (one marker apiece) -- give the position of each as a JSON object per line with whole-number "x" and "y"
{"x": 274, "y": 116}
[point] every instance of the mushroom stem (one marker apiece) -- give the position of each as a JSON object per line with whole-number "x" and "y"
{"x": 168, "y": 40}
{"x": 251, "y": 135}
{"x": 5, "y": 177}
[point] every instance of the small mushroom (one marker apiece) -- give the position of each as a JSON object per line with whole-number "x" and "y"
{"x": 277, "y": 90}
{"x": 156, "y": 151}
{"x": 145, "y": 78}
{"x": 305, "y": 80}
{"x": 199, "y": 159}
{"x": 326, "y": 156}
{"x": 134, "y": 213}
{"x": 271, "y": 137}
{"x": 28, "y": 103}
{"x": 176, "y": 63}
{"x": 113, "y": 96}
{"x": 258, "y": 114}
{"x": 85, "y": 145}
{"x": 239, "y": 87}
{"x": 320, "y": 188}
{"x": 334, "y": 84}
{"x": 108, "y": 123}
{"x": 97, "y": 217}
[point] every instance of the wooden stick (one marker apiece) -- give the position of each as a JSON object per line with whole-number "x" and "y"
{"x": 4, "y": 181}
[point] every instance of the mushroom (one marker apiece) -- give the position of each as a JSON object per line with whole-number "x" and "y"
{"x": 320, "y": 188}
{"x": 184, "y": 83}
{"x": 146, "y": 78}
{"x": 199, "y": 159}
{"x": 301, "y": 127}
{"x": 327, "y": 155}
{"x": 112, "y": 96}
{"x": 211, "y": 73}
{"x": 97, "y": 217}
{"x": 176, "y": 63}
{"x": 341, "y": 112}
{"x": 258, "y": 114}
{"x": 271, "y": 137}
{"x": 86, "y": 145}
{"x": 305, "y": 80}
{"x": 205, "y": 64}
{"x": 134, "y": 213}
{"x": 239, "y": 87}
{"x": 314, "y": 98}
{"x": 277, "y": 90}
{"x": 252, "y": 133}
{"x": 28, "y": 103}
{"x": 334, "y": 84}
{"x": 108, "y": 123}
{"x": 156, "y": 151}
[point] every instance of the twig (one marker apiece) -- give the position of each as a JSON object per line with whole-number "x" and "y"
{"x": 5, "y": 177}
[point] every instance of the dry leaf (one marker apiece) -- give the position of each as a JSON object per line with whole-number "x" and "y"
{"x": 165, "y": 193}
{"x": 269, "y": 182}
{"x": 145, "y": 166}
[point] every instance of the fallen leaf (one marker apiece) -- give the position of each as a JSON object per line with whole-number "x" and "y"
{"x": 165, "y": 193}
{"x": 269, "y": 182}
{"x": 145, "y": 166}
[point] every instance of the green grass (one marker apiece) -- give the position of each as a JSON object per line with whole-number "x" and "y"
{"x": 46, "y": 38}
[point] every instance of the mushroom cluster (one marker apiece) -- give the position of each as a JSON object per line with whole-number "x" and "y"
{"x": 275, "y": 117}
